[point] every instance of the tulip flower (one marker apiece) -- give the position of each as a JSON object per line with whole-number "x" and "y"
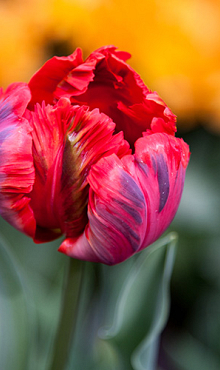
{"x": 88, "y": 151}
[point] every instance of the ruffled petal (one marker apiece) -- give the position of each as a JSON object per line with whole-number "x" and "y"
{"x": 159, "y": 166}
{"x": 105, "y": 81}
{"x": 89, "y": 139}
{"x": 67, "y": 141}
{"x": 114, "y": 82}
{"x": 46, "y": 79}
{"x": 116, "y": 213}
{"x": 77, "y": 81}
{"x": 16, "y": 162}
{"x": 118, "y": 91}
{"x": 14, "y": 100}
{"x": 132, "y": 201}
{"x": 49, "y": 124}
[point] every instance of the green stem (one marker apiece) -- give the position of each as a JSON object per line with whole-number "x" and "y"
{"x": 68, "y": 316}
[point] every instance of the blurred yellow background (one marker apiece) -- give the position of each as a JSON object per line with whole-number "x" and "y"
{"x": 175, "y": 45}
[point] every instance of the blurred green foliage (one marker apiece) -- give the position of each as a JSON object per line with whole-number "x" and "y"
{"x": 121, "y": 326}
{"x": 32, "y": 277}
{"x": 122, "y": 309}
{"x": 191, "y": 340}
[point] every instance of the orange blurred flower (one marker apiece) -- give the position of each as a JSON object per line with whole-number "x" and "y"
{"x": 175, "y": 45}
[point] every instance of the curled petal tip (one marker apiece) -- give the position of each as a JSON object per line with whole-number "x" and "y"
{"x": 62, "y": 249}
{"x": 78, "y": 248}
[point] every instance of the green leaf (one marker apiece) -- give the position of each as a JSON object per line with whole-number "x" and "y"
{"x": 142, "y": 308}
{"x": 34, "y": 293}
{"x": 14, "y": 317}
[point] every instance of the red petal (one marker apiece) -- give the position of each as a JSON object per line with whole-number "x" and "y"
{"x": 132, "y": 201}
{"x": 111, "y": 49}
{"x": 15, "y": 98}
{"x": 160, "y": 165}
{"x": 118, "y": 91}
{"x": 107, "y": 82}
{"x": 45, "y": 81}
{"x": 117, "y": 216}
{"x": 16, "y": 210}
{"x": 89, "y": 139}
{"x": 114, "y": 82}
{"x": 68, "y": 140}
{"x": 16, "y": 163}
{"x": 49, "y": 125}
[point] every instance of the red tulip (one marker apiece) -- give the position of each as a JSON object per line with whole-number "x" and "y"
{"x": 108, "y": 200}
